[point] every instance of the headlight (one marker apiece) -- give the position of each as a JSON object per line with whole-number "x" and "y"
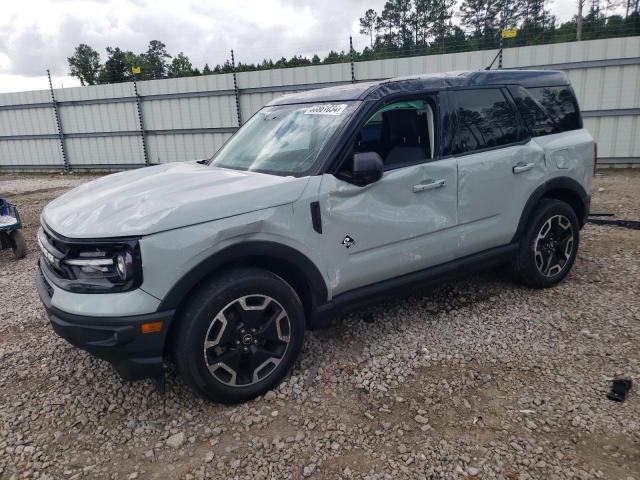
{"x": 92, "y": 266}
{"x": 124, "y": 265}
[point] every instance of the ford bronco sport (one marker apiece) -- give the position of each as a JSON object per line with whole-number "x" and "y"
{"x": 324, "y": 200}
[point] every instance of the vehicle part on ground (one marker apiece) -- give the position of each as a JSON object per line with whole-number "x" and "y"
{"x": 631, "y": 224}
{"x": 619, "y": 389}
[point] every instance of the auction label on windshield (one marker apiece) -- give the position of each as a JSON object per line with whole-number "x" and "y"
{"x": 326, "y": 109}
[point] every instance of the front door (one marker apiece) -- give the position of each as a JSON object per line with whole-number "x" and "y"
{"x": 404, "y": 222}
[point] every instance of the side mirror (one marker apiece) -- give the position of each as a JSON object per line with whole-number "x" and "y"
{"x": 367, "y": 168}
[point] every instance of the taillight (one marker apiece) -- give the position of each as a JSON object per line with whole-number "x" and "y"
{"x": 595, "y": 157}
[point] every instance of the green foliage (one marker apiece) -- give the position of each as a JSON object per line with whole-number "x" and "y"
{"x": 155, "y": 59}
{"x": 85, "y": 65}
{"x": 403, "y": 28}
{"x": 181, "y": 66}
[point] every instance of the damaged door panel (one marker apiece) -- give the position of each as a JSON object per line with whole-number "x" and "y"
{"x": 403, "y": 223}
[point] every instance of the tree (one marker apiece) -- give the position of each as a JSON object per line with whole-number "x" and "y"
{"x": 534, "y": 14}
{"x": 85, "y": 64}
{"x": 402, "y": 16}
{"x": 180, "y": 66}
{"x": 505, "y": 13}
{"x": 473, "y": 15}
{"x": 579, "y": 20}
{"x": 206, "y": 70}
{"x": 368, "y": 24}
{"x": 440, "y": 19}
{"x": 135, "y": 60}
{"x": 385, "y": 22}
{"x": 115, "y": 67}
{"x": 421, "y": 20}
{"x": 156, "y": 59}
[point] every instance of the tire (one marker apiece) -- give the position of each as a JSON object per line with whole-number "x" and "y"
{"x": 19, "y": 245}
{"x": 549, "y": 245}
{"x": 253, "y": 324}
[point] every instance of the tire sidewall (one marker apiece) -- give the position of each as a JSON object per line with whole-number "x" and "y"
{"x": 254, "y": 283}
{"x": 19, "y": 247}
{"x": 546, "y": 210}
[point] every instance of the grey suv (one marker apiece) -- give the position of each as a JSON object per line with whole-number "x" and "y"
{"x": 323, "y": 201}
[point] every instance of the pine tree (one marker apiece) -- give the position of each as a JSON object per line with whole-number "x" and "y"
{"x": 368, "y": 24}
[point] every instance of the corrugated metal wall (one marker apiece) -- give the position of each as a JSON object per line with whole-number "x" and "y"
{"x": 190, "y": 118}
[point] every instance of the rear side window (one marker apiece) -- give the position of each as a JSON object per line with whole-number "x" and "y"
{"x": 486, "y": 119}
{"x": 560, "y": 104}
{"x": 538, "y": 121}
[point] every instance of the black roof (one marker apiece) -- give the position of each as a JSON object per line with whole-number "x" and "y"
{"x": 437, "y": 81}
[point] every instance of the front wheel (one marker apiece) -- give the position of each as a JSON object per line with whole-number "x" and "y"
{"x": 549, "y": 246}
{"x": 239, "y": 335}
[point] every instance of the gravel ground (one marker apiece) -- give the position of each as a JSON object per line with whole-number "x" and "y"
{"x": 480, "y": 378}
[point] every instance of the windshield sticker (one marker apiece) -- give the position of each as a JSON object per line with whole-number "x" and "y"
{"x": 326, "y": 109}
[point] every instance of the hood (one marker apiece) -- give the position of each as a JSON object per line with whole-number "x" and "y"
{"x": 164, "y": 197}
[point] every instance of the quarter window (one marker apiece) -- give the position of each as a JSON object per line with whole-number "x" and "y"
{"x": 486, "y": 119}
{"x": 534, "y": 116}
{"x": 560, "y": 105}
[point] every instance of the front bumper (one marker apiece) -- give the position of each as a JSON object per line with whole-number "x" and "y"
{"x": 119, "y": 340}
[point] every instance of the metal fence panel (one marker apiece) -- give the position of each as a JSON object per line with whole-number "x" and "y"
{"x": 192, "y": 112}
{"x": 32, "y": 121}
{"x": 100, "y": 152}
{"x": 182, "y": 147}
{"x": 30, "y": 154}
{"x": 101, "y": 117}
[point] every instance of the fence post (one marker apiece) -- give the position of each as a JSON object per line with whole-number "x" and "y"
{"x": 353, "y": 69}
{"x": 54, "y": 104}
{"x": 235, "y": 89}
{"x": 141, "y": 120}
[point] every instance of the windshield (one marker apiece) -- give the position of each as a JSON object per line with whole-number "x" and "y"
{"x": 283, "y": 139}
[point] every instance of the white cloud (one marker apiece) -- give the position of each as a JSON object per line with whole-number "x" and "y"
{"x": 40, "y": 34}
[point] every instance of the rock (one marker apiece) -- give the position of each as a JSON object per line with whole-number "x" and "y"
{"x": 176, "y": 441}
{"x": 308, "y": 470}
{"x": 473, "y": 471}
{"x": 420, "y": 419}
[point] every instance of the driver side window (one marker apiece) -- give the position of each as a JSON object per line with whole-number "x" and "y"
{"x": 402, "y": 133}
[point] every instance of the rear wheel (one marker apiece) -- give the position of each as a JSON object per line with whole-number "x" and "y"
{"x": 18, "y": 244}
{"x": 549, "y": 246}
{"x": 239, "y": 335}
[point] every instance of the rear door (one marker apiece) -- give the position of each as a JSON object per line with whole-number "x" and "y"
{"x": 498, "y": 167}
{"x": 404, "y": 222}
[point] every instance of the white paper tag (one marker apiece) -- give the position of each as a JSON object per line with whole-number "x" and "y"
{"x": 326, "y": 109}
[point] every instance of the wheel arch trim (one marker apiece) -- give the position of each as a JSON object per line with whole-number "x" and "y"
{"x": 554, "y": 188}
{"x": 246, "y": 250}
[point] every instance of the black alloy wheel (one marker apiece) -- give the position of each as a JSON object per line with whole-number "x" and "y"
{"x": 246, "y": 340}
{"x": 238, "y": 335}
{"x": 554, "y": 245}
{"x": 548, "y": 246}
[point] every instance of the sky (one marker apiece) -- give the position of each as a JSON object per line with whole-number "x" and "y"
{"x": 36, "y": 35}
